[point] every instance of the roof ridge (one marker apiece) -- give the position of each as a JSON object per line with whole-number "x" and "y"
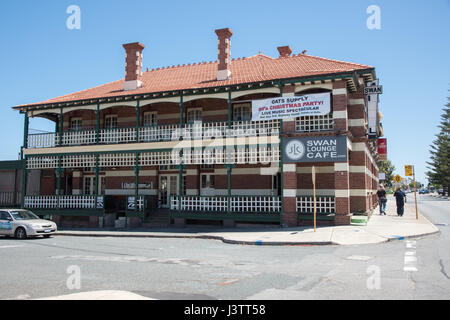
{"x": 333, "y": 60}
{"x": 77, "y": 92}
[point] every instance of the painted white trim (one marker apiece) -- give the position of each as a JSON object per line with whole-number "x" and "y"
{"x": 235, "y": 95}
{"x": 289, "y": 193}
{"x": 300, "y": 88}
{"x": 341, "y": 166}
{"x": 240, "y": 171}
{"x": 289, "y": 167}
{"x": 356, "y": 102}
{"x": 341, "y": 193}
{"x": 222, "y": 95}
{"x": 328, "y": 169}
{"x": 88, "y": 107}
{"x": 130, "y": 173}
{"x": 191, "y": 172}
{"x": 162, "y": 100}
{"x": 356, "y": 123}
{"x": 191, "y": 192}
{"x": 244, "y": 192}
{"x": 319, "y": 192}
{"x": 118, "y": 104}
{"x": 340, "y": 114}
{"x": 130, "y": 192}
{"x": 339, "y": 91}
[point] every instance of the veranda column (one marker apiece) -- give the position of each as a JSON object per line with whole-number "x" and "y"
{"x": 24, "y": 182}
{"x": 180, "y": 222}
{"x": 97, "y": 130}
{"x": 288, "y": 172}
{"x": 24, "y": 159}
{"x": 136, "y": 221}
{"x": 138, "y": 112}
{"x": 61, "y": 124}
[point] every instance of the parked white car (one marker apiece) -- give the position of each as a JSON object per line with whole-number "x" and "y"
{"x": 20, "y": 223}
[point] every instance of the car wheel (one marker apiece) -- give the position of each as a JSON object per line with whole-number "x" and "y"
{"x": 20, "y": 233}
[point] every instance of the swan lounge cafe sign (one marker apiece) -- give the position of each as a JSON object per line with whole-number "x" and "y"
{"x": 315, "y": 149}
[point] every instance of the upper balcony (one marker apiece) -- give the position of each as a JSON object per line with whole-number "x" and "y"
{"x": 155, "y": 133}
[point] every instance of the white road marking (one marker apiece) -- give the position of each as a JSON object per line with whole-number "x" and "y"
{"x": 359, "y": 258}
{"x": 5, "y": 247}
{"x": 410, "y": 259}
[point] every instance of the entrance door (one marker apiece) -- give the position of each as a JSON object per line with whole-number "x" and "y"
{"x": 168, "y": 186}
{"x": 89, "y": 185}
{"x": 207, "y": 184}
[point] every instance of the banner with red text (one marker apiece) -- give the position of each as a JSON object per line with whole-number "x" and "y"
{"x": 317, "y": 104}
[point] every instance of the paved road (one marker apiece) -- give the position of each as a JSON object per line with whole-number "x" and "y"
{"x": 210, "y": 269}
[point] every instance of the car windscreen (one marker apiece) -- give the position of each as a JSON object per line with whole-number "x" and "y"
{"x": 23, "y": 215}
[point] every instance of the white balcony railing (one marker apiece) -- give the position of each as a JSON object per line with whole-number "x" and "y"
{"x": 324, "y": 204}
{"x": 219, "y": 204}
{"x": 191, "y": 131}
{"x": 64, "y": 202}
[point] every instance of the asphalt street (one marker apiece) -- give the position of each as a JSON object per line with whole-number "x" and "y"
{"x": 210, "y": 269}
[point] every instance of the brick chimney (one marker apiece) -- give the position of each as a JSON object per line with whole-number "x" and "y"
{"x": 224, "y": 54}
{"x": 284, "y": 51}
{"x": 133, "y": 65}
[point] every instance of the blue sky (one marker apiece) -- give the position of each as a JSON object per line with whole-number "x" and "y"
{"x": 41, "y": 58}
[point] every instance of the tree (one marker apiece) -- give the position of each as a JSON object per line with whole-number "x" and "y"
{"x": 388, "y": 168}
{"x": 439, "y": 168}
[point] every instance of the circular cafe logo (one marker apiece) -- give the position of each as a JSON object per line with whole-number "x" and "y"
{"x": 295, "y": 149}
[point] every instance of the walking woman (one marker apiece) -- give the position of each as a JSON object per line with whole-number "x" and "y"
{"x": 400, "y": 199}
{"x": 381, "y": 193}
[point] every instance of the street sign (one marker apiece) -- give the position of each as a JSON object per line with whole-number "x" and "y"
{"x": 373, "y": 90}
{"x": 408, "y": 170}
{"x": 397, "y": 178}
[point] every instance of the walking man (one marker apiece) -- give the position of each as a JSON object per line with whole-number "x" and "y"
{"x": 400, "y": 200}
{"x": 381, "y": 193}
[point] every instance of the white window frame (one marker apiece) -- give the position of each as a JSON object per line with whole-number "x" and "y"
{"x": 110, "y": 125}
{"x": 79, "y": 124}
{"x": 153, "y": 119}
{"x": 238, "y": 114}
{"x": 195, "y": 112}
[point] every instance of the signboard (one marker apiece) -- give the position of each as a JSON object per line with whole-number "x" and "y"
{"x": 373, "y": 90}
{"x": 382, "y": 149}
{"x": 408, "y": 170}
{"x": 291, "y": 107}
{"x": 398, "y": 179}
{"x": 131, "y": 185}
{"x": 314, "y": 149}
{"x": 100, "y": 202}
{"x": 130, "y": 203}
{"x": 381, "y": 176}
{"x": 372, "y": 107}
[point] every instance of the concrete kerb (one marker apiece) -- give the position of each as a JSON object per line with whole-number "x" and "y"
{"x": 381, "y": 229}
{"x": 203, "y": 236}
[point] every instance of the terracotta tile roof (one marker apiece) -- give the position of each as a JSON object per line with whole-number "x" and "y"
{"x": 203, "y": 75}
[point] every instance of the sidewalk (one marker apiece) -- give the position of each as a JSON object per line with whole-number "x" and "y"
{"x": 377, "y": 230}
